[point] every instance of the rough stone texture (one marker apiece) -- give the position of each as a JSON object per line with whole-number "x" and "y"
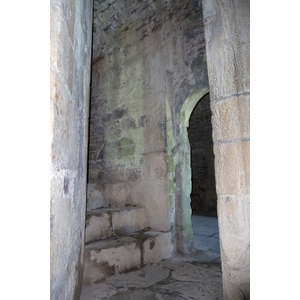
{"x": 206, "y": 235}
{"x": 108, "y": 195}
{"x": 148, "y": 58}
{"x": 97, "y": 226}
{"x": 157, "y": 247}
{"x": 182, "y": 175}
{"x": 148, "y": 73}
{"x": 173, "y": 279}
{"x": 203, "y": 196}
{"x": 131, "y": 220}
{"x": 104, "y": 223}
{"x": 70, "y": 62}
{"x": 109, "y": 257}
{"x": 116, "y": 255}
{"x": 227, "y": 43}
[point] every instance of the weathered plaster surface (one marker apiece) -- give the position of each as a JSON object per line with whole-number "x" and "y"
{"x": 69, "y": 87}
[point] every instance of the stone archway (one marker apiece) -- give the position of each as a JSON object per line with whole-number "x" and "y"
{"x": 203, "y": 195}
{"x": 184, "y": 230}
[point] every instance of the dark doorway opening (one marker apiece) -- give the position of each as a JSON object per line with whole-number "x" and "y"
{"x": 203, "y": 195}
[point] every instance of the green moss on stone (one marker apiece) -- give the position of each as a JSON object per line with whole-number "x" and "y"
{"x": 170, "y": 159}
{"x": 126, "y": 147}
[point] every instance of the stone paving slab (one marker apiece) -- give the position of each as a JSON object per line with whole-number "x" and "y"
{"x": 185, "y": 288}
{"x": 206, "y": 235}
{"x": 171, "y": 279}
{"x": 203, "y": 225}
{"x": 142, "y": 278}
{"x": 209, "y": 244}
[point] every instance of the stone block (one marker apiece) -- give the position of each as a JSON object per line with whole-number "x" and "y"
{"x": 234, "y": 232}
{"x": 62, "y": 49}
{"x": 106, "y": 222}
{"x": 61, "y": 115}
{"x": 129, "y": 220}
{"x": 232, "y": 167}
{"x": 154, "y": 139}
{"x": 116, "y": 255}
{"x": 156, "y": 203}
{"x": 126, "y": 147}
{"x": 117, "y": 194}
{"x": 234, "y": 220}
{"x": 120, "y": 174}
{"x": 108, "y": 195}
{"x": 94, "y": 197}
{"x": 228, "y": 54}
{"x": 154, "y": 110}
{"x": 69, "y": 108}
{"x": 158, "y": 246}
{"x": 231, "y": 119}
{"x": 155, "y": 166}
{"x": 97, "y": 226}
{"x": 108, "y": 257}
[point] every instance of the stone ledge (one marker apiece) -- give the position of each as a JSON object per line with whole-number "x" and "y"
{"x": 119, "y": 254}
{"x": 106, "y": 222}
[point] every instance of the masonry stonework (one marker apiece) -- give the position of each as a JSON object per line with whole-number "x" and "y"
{"x": 70, "y": 38}
{"x": 228, "y": 58}
{"x": 147, "y": 58}
{"x": 150, "y": 64}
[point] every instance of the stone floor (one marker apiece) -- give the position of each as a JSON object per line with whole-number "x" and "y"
{"x": 197, "y": 276}
{"x": 206, "y": 236}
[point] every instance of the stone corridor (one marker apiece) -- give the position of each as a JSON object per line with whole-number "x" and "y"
{"x": 125, "y": 77}
{"x": 196, "y": 276}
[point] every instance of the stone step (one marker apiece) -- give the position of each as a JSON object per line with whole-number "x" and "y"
{"x": 106, "y": 222}
{"x": 118, "y": 254}
{"x": 109, "y": 194}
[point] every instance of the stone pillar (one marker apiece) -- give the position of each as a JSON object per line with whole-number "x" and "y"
{"x": 70, "y": 46}
{"x": 228, "y": 60}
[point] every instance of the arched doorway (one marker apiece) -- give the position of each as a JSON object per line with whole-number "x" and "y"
{"x": 182, "y": 158}
{"x": 203, "y": 194}
{"x": 183, "y": 173}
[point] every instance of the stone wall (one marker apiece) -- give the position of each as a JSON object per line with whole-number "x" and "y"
{"x": 227, "y": 35}
{"x": 203, "y": 196}
{"x": 71, "y": 28}
{"x": 148, "y": 57}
